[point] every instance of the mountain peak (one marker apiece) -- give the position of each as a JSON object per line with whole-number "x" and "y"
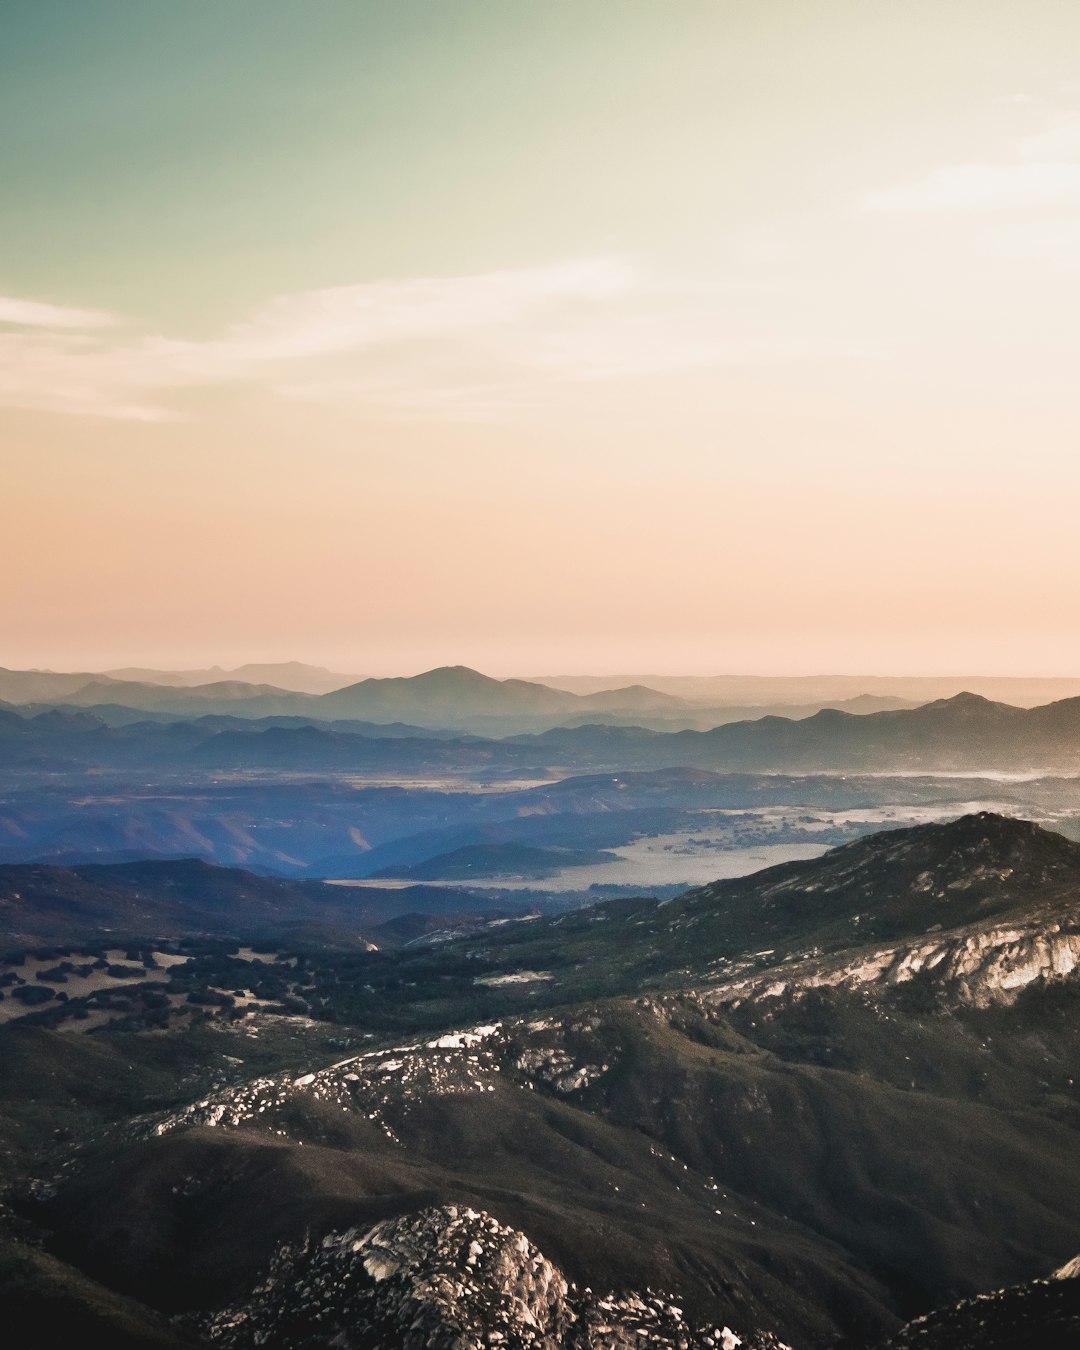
{"x": 451, "y": 676}
{"x": 444, "y": 697}
{"x": 970, "y": 704}
{"x": 901, "y": 882}
{"x": 978, "y": 853}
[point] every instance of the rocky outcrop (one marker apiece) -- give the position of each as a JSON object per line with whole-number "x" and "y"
{"x": 980, "y": 967}
{"x": 1043, "y": 1314}
{"x": 448, "y": 1279}
{"x": 383, "y": 1086}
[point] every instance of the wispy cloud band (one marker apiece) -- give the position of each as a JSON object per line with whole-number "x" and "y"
{"x": 35, "y": 314}
{"x": 1041, "y": 169}
{"x": 975, "y": 187}
{"x": 442, "y": 345}
{"x": 82, "y": 361}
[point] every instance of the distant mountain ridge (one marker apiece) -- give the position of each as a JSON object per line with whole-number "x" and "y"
{"x": 446, "y": 697}
{"x": 43, "y": 686}
{"x": 262, "y": 689}
{"x": 294, "y": 676}
{"x": 760, "y": 690}
{"x": 451, "y": 693}
{"x": 452, "y": 696}
{"x": 965, "y": 734}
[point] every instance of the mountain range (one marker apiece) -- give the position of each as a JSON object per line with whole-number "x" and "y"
{"x": 966, "y": 733}
{"x": 827, "y": 690}
{"x": 963, "y": 733}
{"x": 448, "y": 697}
{"x": 289, "y": 675}
{"x": 803, "y": 1107}
{"x": 43, "y": 686}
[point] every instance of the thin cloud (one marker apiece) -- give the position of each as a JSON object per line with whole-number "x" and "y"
{"x": 980, "y": 187}
{"x": 1041, "y": 171}
{"x": 467, "y": 346}
{"x": 62, "y": 362}
{"x": 1060, "y": 140}
{"x": 1043, "y": 246}
{"x": 372, "y": 314}
{"x": 37, "y": 314}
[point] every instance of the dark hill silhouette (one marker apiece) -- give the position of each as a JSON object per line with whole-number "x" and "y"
{"x": 892, "y": 884}
{"x": 963, "y": 733}
{"x": 41, "y": 903}
{"x": 450, "y": 694}
{"x": 483, "y": 860}
{"x": 447, "y": 697}
{"x": 295, "y": 676}
{"x": 966, "y": 731}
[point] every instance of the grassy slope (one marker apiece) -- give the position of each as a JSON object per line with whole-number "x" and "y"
{"x": 58, "y": 1305}
{"x": 848, "y": 1203}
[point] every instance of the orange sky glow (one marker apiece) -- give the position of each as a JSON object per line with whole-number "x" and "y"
{"x": 694, "y": 339}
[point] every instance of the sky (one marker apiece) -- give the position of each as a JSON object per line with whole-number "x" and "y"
{"x": 694, "y": 336}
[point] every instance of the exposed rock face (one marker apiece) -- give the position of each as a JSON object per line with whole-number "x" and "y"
{"x": 986, "y": 905}
{"x": 983, "y": 967}
{"x": 448, "y": 1279}
{"x": 383, "y": 1085}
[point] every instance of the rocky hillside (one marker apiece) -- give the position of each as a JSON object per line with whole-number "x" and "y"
{"x": 815, "y": 1139}
{"x": 1042, "y": 1313}
{"x": 449, "y": 1279}
{"x": 985, "y": 903}
{"x": 644, "y": 1145}
{"x": 898, "y": 883}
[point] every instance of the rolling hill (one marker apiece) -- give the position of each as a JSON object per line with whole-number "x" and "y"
{"x": 135, "y": 901}
{"x": 615, "y": 1119}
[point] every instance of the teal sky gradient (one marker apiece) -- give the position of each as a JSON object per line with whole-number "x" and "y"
{"x": 187, "y": 159}
{"x": 784, "y": 293}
